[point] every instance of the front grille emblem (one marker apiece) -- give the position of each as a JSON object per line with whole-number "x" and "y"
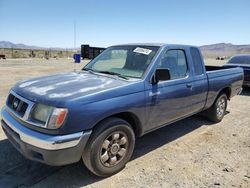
{"x": 15, "y": 104}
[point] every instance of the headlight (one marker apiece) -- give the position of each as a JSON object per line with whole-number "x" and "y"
{"x": 41, "y": 113}
{"x": 50, "y": 117}
{"x": 57, "y": 118}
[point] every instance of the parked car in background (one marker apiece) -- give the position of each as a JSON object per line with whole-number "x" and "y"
{"x": 125, "y": 92}
{"x": 220, "y": 57}
{"x": 242, "y": 61}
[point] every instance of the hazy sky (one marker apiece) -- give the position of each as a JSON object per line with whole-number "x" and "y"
{"x": 50, "y": 23}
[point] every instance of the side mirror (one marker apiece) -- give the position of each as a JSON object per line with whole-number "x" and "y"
{"x": 161, "y": 75}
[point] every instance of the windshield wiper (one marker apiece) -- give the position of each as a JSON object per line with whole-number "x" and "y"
{"x": 113, "y": 73}
{"x": 87, "y": 69}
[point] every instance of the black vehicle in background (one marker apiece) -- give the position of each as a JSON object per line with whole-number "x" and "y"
{"x": 242, "y": 61}
{"x": 2, "y": 56}
{"x": 90, "y": 52}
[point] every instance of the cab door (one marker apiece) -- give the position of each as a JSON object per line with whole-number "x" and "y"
{"x": 170, "y": 100}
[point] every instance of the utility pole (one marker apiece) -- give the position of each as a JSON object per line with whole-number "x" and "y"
{"x": 74, "y": 43}
{"x": 74, "y": 34}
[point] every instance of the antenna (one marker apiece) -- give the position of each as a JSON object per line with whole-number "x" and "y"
{"x": 75, "y": 34}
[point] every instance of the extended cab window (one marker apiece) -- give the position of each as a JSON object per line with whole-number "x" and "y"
{"x": 175, "y": 61}
{"x": 197, "y": 61}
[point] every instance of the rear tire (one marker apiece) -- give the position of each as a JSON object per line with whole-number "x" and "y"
{"x": 110, "y": 147}
{"x": 217, "y": 111}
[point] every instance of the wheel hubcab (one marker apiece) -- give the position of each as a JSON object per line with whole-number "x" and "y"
{"x": 221, "y": 107}
{"x": 114, "y": 149}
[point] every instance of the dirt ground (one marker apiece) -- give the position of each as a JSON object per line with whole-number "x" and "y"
{"x": 190, "y": 153}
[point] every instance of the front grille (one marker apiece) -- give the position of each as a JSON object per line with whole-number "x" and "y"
{"x": 17, "y": 105}
{"x": 21, "y": 108}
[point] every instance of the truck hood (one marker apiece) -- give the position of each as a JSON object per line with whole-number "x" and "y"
{"x": 62, "y": 87}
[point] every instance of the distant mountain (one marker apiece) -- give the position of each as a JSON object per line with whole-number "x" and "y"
{"x": 8, "y": 44}
{"x": 213, "y": 50}
{"x": 224, "y": 49}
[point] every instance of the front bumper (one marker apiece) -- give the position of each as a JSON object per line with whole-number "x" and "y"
{"x": 49, "y": 149}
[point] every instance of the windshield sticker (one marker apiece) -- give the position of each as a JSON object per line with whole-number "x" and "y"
{"x": 142, "y": 51}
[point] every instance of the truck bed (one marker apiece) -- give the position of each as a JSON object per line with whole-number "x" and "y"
{"x": 221, "y": 77}
{"x": 224, "y": 72}
{"x": 214, "y": 68}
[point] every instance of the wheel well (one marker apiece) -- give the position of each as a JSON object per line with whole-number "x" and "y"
{"x": 131, "y": 118}
{"x": 227, "y": 91}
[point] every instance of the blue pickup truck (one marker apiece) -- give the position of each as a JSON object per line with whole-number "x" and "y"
{"x": 125, "y": 92}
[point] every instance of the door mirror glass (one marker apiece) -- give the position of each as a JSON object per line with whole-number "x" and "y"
{"x": 161, "y": 75}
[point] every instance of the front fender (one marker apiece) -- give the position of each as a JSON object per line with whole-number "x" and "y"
{"x": 85, "y": 117}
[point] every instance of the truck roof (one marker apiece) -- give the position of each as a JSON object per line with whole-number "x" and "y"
{"x": 155, "y": 44}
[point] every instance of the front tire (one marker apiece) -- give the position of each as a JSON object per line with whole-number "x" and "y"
{"x": 217, "y": 111}
{"x": 110, "y": 147}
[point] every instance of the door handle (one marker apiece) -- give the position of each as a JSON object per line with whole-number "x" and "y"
{"x": 151, "y": 94}
{"x": 189, "y": 85}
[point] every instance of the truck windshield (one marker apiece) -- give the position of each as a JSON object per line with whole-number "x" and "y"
{"x": 126, "y": 61}
{"x": 244, "y": 59}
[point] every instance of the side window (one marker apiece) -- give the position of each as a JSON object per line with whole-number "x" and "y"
{"x": 197, "y": 61}
{"x": 175, "y": 61}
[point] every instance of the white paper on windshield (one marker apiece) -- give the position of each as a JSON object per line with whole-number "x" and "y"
{"x": 144, "y": 51}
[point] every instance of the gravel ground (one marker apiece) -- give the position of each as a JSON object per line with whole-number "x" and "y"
{"x": 190, "y": 153}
